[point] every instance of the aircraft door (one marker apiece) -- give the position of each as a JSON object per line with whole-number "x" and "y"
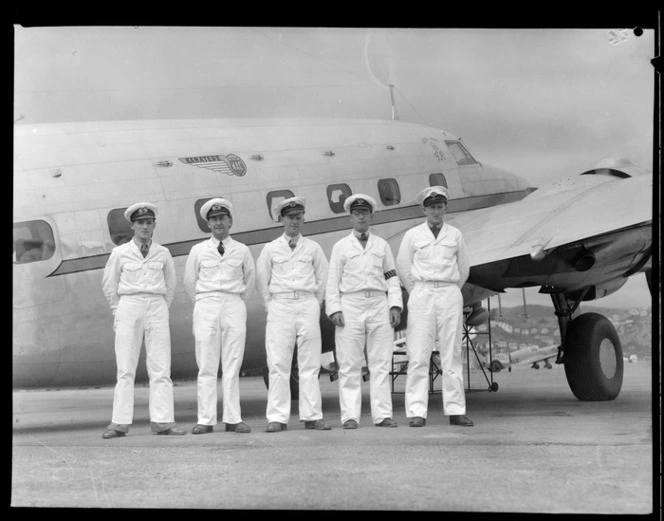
{"x": 35, "y": 257}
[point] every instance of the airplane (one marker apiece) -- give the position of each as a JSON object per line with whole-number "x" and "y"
{"x": 579, "y": 239}
{"x": 535, "y": 355}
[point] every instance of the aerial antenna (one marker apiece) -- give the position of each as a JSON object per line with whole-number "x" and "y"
{"x": 378, "y": 57}
{"x": 395, "y": 115}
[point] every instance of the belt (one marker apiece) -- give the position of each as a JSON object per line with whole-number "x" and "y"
{"x": 436, "y": 283}
{"x": 368, "y": 293}
{"x": 293, "y": 295}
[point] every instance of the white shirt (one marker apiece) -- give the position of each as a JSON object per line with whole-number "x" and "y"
{"x": 425, "y": 258}
{"x": 128, "y": 273}
{"x": 207, "y": 272}
{"x": 280, "y": 269}
{"x": 354, "y": 268}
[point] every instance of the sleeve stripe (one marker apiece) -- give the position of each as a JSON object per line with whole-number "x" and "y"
{"x": 390, "y": 274}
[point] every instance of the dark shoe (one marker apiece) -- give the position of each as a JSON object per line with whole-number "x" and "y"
{"x": 241, "y": 427}
{"x": 418, "y": 421}
{"x": 276, "y": 427}
{"x": 112, "y": 433}
{"x": 202, "y": 429}
{"x": 387, "y": 422}
{"x": 460, "y": 419}
{"x": 173, "y": 431}
{"x": 350, "y": 424}
{"x": 319, "y": 425}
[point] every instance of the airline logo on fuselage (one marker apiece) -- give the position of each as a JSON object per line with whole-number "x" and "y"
{"x": 229, "y": 165}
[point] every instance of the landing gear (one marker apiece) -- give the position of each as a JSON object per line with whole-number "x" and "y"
{"x": 593, "y": 358}
{"x": 590, "y": 350}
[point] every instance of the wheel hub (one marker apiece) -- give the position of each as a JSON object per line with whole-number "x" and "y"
{"x": 607, "y": 358}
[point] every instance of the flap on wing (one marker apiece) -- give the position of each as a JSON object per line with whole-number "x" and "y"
{"x": 546, "y": 220}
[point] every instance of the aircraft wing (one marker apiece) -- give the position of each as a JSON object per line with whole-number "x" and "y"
{"x": 571, "y": 234}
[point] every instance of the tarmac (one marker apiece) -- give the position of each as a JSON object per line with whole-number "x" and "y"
{"x": 534, "y": 448}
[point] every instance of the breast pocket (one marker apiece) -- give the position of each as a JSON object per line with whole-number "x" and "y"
{"x": 231, "y": 269}
{"x": 154, "y": 272}
{"x": 209, "y": 271}
{"x": 446, "y": 251}
{"x": 377, "y": 260}
{"x": 423, "y": 250}
{"x": 354, "y": 263}
{"x": 131, "y": 272}
{"x": 281, "y": 266}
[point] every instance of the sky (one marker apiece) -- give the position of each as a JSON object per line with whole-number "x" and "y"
{"x": 543, "y": 103}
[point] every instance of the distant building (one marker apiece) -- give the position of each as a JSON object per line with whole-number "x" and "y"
{"x": 545, "y": 330}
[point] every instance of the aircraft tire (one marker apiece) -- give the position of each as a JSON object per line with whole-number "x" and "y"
{"x": 593, "y": 358}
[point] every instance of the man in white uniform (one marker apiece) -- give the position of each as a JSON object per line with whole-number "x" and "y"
{"x": 218, "y": 277}
{"x": 433, "y": 266}
{"x": 363, "y": 300}
{"x": 139, "y": 284}
{"x": 291, "y": 272}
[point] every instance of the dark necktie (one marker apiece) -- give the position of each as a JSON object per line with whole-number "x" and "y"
{"x": 144, "y": 250}
{"x": 292, "y": 243}
{"x": 221, "y": 249}
{"x": 363, "y": 239}
{"x": 435, "y": 231}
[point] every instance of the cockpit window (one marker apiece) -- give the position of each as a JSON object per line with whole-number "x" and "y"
{"x": 33, "y": 241}
{"x": 461, "y": 155}
{"x": 119, "y": 227}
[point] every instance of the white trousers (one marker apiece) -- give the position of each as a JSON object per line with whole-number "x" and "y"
{"x": 220, "y": 330}
{"x": 290, "y": 322}
{"x": 434, "y": 311}
{"x": 366, "y": 323}
{"x": 136, "y": 317}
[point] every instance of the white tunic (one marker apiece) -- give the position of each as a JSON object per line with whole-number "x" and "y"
{"x": 425, "y": 258}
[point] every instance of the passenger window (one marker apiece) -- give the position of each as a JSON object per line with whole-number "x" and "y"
{"x": 437, "y": 180}
{"x": 337, "y": 195}
{"x": 202, "y": 223}
{"x": 461, "y": 155}
{"x": 118, "y": 226}
{"x": 33, "y": 241}
{"x": 389, "y": 192}
{"x": 274, "y": 198}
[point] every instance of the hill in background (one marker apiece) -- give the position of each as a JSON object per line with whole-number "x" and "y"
{"x": 512, "y": 328}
